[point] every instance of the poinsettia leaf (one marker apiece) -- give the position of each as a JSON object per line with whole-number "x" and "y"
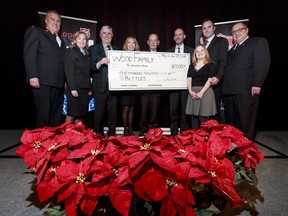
{"x": 168, "y": 207}
{"x": 89, "y": 204}
{"x": 70, "y": 207}
{"x": 151, "y": 186}
{"x": 42, "y": 191}
{"x": 227, "y": 188}
{"x": 137, "y": 161}
{"x": 167, "y": 162}
{"x": 121, "y": 200}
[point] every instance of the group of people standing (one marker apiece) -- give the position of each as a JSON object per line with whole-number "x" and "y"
{"x": 216, "y": 75}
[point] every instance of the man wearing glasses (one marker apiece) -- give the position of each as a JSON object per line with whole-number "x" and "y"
{"x": 247, "y": 66}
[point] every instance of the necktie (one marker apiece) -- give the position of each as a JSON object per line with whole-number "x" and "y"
{"x": 108, "y": 47}
{"x": 58, "y": 40}
{"x": 236, "y": 46}
{"x": 206, "y": 42}
{"x": 178, "y": 49}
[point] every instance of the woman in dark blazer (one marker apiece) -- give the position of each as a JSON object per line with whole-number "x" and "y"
{"x": 77, "y": 71}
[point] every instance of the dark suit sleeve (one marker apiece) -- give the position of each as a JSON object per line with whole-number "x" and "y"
{"x": 222, "y": 58}
{"x": 261, "y": 55}
{"x": 30, "y": 51}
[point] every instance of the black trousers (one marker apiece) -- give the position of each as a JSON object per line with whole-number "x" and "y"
{"x": 150, "y": 104}
{"x": 178, "y": 101}
{"x": 106, "y": 101}
{"x": 241, "y": 112}
{"x": 49, "y": 103}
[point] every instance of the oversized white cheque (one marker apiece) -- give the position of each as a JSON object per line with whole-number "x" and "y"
{"x": 135, "y": 70}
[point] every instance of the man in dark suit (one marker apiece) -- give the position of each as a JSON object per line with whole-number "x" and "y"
{"x": 43, "y": 54}
{"x": 149, "y": 99}
{"x": 247, "y": 66}
{"x": 218, "y": 49}
{"x": 103, "y": 98}
{"x": 179, "y": 97}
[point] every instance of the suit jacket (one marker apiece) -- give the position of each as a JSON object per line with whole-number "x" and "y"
{"x": 77, "y": 69}
{"x": 246, "y": 66}
{"x": 43, "y": 58}
{"x": 218, "y": 49}
{"x": 99, "y": 76}
{"x": 187, "y": 49}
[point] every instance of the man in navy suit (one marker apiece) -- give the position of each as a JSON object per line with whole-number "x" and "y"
{"x": 247, "y": 66}
{"x": 103, "y": 98}
{"x": 179, "y": 97}
{"x": 43, "y": 54}
{"x": 218, "y": 49}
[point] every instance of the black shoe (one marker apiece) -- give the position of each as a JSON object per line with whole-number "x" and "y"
{"x": 111, "y": 133}
{"x": 130, "y": 131}
{"x": 142, "y": 134}
{"x": 174, "y": 132}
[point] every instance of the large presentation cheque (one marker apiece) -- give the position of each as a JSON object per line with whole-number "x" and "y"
{"x": 132, "y": 70}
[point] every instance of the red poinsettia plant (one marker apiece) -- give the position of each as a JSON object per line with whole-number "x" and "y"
{"x": 86, "y": 173}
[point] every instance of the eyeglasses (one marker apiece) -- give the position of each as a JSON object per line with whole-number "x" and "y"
{"x": 238, "y": 30}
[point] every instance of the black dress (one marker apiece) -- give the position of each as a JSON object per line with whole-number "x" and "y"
{"x": 77, "y": 71}
{"x": 128, "y": 98}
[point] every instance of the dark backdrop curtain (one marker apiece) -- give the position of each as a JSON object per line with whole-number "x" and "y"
{"x": 268, "y": 18}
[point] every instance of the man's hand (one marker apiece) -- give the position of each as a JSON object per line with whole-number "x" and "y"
{"x": 214, "y": 81}
{"x": 34, "y": 82}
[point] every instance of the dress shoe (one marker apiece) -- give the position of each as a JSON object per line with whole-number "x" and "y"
{"x": 130, "y": 131}
{"x": 111, "y": 133}
{"x": 142, "y": 134}
{"x": 174, "y": 132}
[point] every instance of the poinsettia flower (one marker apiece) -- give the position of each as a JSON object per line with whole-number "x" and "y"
{"x": 33, "y": 142}
{"x": 216, "y": 145}
{"x": 142, "y": 151}
{"x": 121, "y": 191}
{"x": 155, "y": 186}
{"x": 223, "y": 179}
{"x": 78, "y": 134}
{"x": 87, "y": 148}
{"x": 251, "y": 156}
{"x": 50, "y": 181}
{"x": 74, "y": 178}
{"x": 55, "y": 150}
{"x": 200, "y": 142}
{"x": 31, "y": 147}
{"x": 211, "y": 124}
{"x": 157, "y": 167}
{"x": 232, "y": 132}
